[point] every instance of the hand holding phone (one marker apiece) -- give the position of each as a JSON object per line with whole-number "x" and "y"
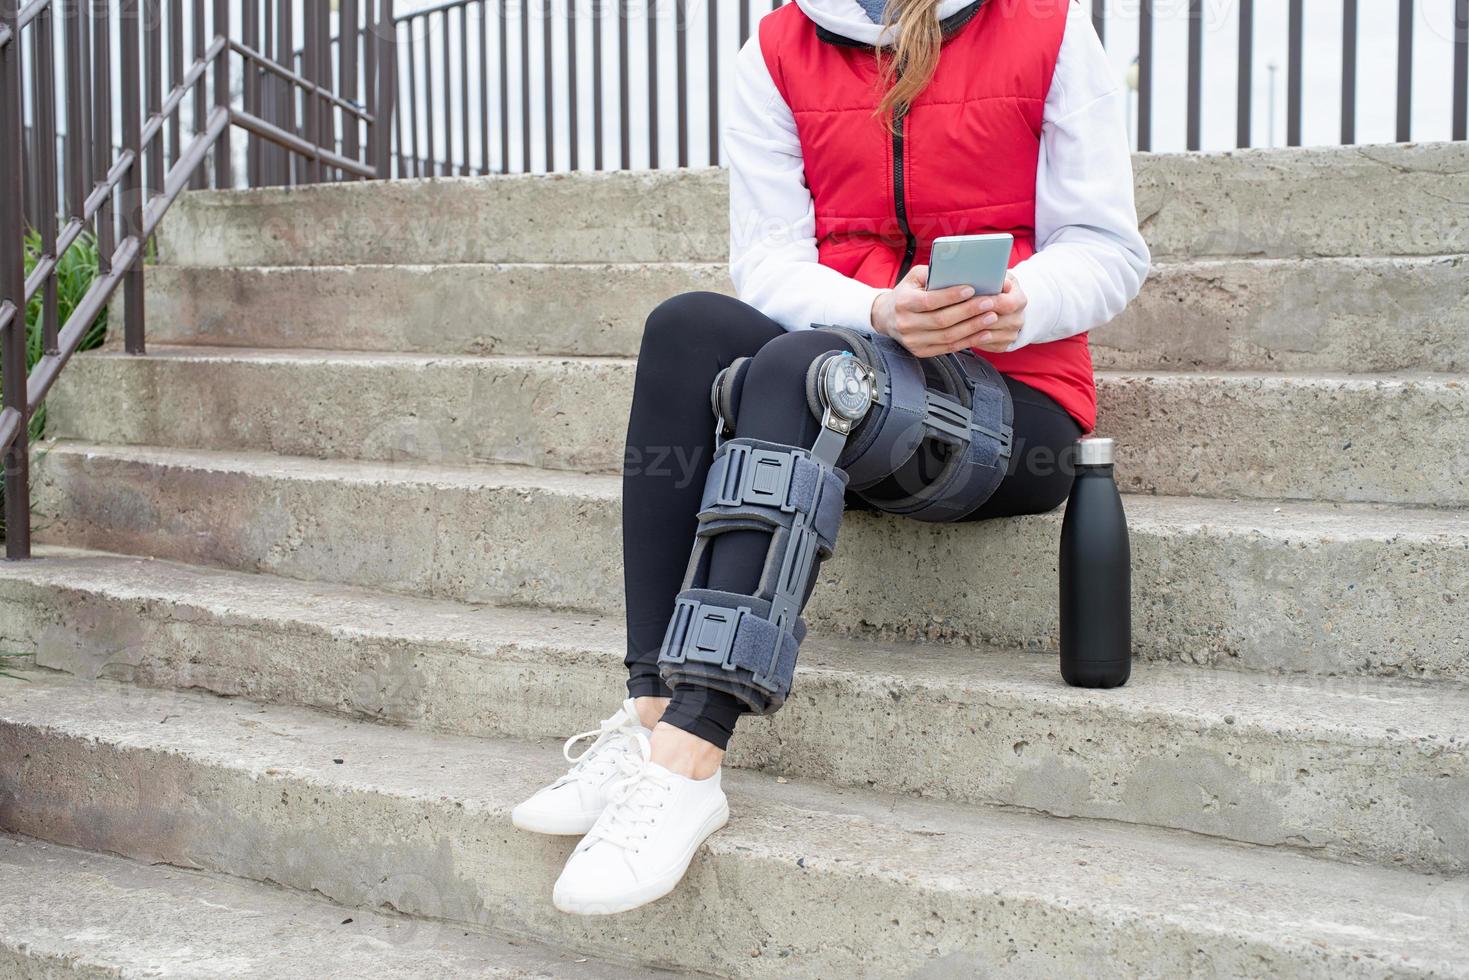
{"x": 977, "y": 261}
{"x": 931, "y": 321}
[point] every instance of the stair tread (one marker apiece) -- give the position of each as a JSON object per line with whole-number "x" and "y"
{"x": 206, "y": 353}
{"x": 1203, "y": 263}
{"x": 1340, "y": 710}
{"x": 1284, "y": 520}
{"x": 1115, "y": 872}
{"x": 62, "y": 905}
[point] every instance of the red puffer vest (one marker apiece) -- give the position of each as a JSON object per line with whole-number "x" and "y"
{"x": 962, "y": 161}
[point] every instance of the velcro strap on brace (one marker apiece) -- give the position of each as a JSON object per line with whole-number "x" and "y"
{"x": 746, "y": 645}
{"x": 765, "y": 484}
{"x": 727, "y": 641}
{"x": 981, "y": 434}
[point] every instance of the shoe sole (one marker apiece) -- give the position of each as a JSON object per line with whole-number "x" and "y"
{"x": 655, "y": 889}
{"x": 574, "y": 826}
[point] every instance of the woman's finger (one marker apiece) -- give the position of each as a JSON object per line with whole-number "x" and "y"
{"x": 939, "y": 320}
{"x": 936, "y": 339}
{"x": 928, "y": 300}
{"x": 1011, "y": 302}
{"x": 995, "y": 341}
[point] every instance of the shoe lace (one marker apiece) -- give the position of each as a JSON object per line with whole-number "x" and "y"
{"x": 595, "y": 759}
{"x": 633, "y": 801}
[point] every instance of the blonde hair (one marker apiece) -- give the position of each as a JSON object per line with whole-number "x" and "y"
{"x": 905, "y": 70}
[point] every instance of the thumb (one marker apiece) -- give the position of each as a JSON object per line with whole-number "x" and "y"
{"x": 917, "y": 276}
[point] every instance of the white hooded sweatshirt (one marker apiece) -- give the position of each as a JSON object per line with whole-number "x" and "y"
{"x": 1090, "y": 259}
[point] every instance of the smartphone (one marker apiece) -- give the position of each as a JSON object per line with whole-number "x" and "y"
{"x": 980, "y": 261}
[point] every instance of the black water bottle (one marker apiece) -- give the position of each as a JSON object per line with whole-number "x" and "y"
{"x": 1096, "y": 575}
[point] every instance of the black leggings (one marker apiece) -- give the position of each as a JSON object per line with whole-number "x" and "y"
{"x": 670, "y": 442}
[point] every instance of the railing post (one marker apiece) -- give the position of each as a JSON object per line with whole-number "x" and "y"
{"x": 43, "y": 91}
{"x": 250, "y": 78}
{"x": 102, "y": 127}
{"x": 1295, "y": 57}
{"x": 12, "y": 289}
{"x": 1195, "y": 122}
{"x": 175, "y": 73}
{"x": 222, "y": 174}
{"x": 1246, "y": 87}
{"x": 1405, "y": 71}
{"x": 387, "y": 86}
{"x": 285, "y": 97}
{"x": 84, "y": 85}
{"x": 200, "y": 177}
{"x": 77, "y": 99}
{"x": 130, "y": 196}
{"x": 347, "y": 76}
{"x": 1461, "y": 70}
{"x": 326, "y": 135}
{"x": 310, "y": 49}
{"x": 153, "y": 70}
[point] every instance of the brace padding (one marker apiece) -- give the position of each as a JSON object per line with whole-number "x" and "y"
{"x": 753, "y": 483}
{"x": 727, "y": 641}
{"x": 746, "y": 644}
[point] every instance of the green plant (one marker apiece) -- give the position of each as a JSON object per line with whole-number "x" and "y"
{"x": 75, "y": 273}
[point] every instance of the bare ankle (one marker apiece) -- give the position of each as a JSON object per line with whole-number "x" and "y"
{"x": 686, "y": 754}
{"x": 650, "y": 710}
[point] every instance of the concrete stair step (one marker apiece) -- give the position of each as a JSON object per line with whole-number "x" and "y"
{"x": 1332, "y": 589}
{"x": 806, "y": 881}
{"x": 590, "y": 309}
{"x": 1351, "y": 768}
{"x": 1382, "y": 439}
{"x": 70, "y": 913}
{"x": 1345, "y": 315}
{"x": 1382, "y": 200}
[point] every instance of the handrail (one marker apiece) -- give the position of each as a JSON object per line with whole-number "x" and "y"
{"x": 31, "y": 11}
{"x": 73, "y": 229}
{"x": 175, "y": 98}
{"x": 308, "y": 86}
{"x": 130, "y": 190}
{"x": 437, "y": 8}
{"x": 296, "y": 144}
{"x": 46, "y": 370}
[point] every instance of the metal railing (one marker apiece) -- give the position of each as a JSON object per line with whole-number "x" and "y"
{"x": 1407, "y": 14}
{"x": 120, "y": 196}
{"x": 496, "y": 86}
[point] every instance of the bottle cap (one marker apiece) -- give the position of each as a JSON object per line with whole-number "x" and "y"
{"x": 1096, "y": 452}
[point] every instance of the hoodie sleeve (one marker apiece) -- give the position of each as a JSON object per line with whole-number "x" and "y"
{"x": 772, "y": 221}
{"x": 1090, "y": 260}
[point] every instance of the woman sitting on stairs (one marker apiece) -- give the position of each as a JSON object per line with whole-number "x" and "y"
{"x": 859, "y": 134}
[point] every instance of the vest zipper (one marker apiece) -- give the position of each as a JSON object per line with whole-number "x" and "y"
{"x": 900, "y": 204}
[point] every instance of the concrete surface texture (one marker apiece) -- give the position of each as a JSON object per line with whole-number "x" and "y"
{"x": 810, "y": 882}
{"x": 69, "y": 913}
{"x": 1400, "y": 439}
{"x": 1276, "y": 586}
{"x": 327, "y": 572}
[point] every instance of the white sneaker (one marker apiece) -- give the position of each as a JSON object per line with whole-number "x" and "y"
{"x": 572, "y": 804}
{"x": 642, "y": 844}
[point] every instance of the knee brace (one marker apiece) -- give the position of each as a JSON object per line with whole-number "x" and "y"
{"x": 877, "y": 404}
{"x": 746, "y": 645}
{"x": 958, "y": 401}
